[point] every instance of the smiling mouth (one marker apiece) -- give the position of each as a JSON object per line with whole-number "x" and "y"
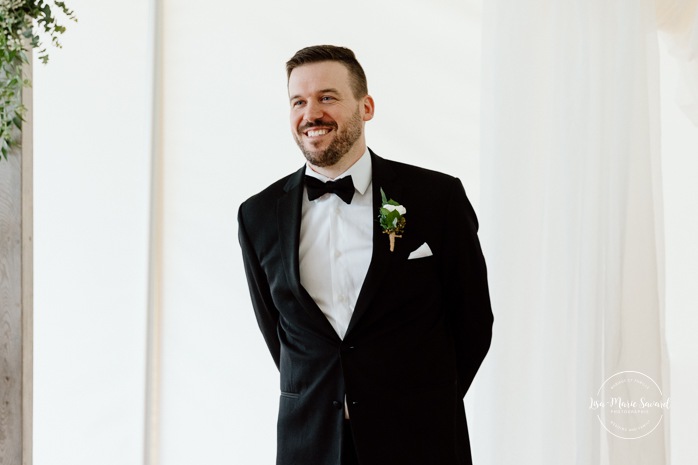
{"x": 316, "y": 132}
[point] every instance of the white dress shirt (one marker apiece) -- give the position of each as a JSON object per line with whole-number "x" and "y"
{"x": 336, "y": 245}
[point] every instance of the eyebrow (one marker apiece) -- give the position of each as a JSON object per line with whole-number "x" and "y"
{"x": 329, "y": 90}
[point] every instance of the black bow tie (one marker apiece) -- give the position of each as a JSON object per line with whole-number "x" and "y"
{"x": 344, "y": 188}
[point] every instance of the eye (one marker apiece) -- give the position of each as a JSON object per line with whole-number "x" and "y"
{"x": 297, "y": 103}
{"x": 327, "y": 98}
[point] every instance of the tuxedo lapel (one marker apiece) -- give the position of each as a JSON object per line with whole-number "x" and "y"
{"x": 383, "y": 177}
{"x": 288, "y": 214}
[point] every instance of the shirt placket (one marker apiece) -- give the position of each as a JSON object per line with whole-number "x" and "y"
{"x": 339, "y": 291}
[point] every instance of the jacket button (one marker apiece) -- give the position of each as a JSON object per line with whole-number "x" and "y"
{"x": 337, "y": 404}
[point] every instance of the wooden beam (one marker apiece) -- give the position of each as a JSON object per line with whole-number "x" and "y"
{"x": 16, "y": 295}
{"x": 155, "y": 258}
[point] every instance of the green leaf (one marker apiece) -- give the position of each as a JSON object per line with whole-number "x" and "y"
{"x": 22, "y": 20}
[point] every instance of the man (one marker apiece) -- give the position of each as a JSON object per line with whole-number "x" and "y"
{"x": 377, "y": 327}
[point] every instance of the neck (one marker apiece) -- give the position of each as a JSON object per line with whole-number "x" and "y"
{"x": 346, "y": 162}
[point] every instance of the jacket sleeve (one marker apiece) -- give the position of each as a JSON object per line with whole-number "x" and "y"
{"x": 264, "y": 308}
{"x": 466, "y": 291}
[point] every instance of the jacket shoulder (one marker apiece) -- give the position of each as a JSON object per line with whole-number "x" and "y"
{"x": 419, "y": 178}
{"x": 404, "y": 169}
{"x": 268, "y": 197}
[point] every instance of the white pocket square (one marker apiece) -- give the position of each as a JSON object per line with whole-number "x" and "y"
{"x": 421, "y": 252}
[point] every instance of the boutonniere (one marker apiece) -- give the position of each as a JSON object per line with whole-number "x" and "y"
{"x": 392, "y": 218}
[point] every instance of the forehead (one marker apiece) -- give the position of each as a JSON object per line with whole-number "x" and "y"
{"x": 315, "y": 77}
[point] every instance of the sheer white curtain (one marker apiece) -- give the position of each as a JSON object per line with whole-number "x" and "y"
{"x": 572, "y": 227}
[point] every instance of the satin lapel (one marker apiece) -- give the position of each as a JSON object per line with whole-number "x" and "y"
{"x": 383, "y": 177}
{"x": 288, "y": 215}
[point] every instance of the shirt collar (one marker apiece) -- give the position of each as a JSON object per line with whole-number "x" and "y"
{"x": 360, "y": 173}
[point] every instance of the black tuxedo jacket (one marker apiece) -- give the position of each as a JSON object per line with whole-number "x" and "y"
{"x": 419, "y": 331}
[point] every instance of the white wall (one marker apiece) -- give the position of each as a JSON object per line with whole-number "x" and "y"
{"x": 227, "y": 136}
{"x": 91, "y": 187}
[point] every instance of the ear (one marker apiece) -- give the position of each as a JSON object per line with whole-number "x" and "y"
{"x": 368, "y": 108}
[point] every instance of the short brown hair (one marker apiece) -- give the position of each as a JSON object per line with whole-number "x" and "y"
{"x": 318, "y": 53}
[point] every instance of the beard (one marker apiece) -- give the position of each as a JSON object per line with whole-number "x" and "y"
{"x": 343, "y": 141}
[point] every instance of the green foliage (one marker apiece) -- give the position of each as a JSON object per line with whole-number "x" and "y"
{"x": 390, "y": 221}
{"x": 17, "y": 34}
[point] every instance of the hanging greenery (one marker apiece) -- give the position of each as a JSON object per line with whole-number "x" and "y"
{"x": 22, "y": 24}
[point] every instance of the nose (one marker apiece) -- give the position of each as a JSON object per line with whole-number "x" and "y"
{"x": 313, "y": 112}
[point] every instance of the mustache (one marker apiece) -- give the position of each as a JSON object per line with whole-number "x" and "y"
{"x": 317, "y": 123}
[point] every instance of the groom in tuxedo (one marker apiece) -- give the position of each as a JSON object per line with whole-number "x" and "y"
{"x": 377, "y": 336}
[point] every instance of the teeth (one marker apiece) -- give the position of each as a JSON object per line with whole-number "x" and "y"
{"x": 317, "y": 132}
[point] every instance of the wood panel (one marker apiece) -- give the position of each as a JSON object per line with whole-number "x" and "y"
{"x": 16, "y": 297}
{"x": 155, "y": 258}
